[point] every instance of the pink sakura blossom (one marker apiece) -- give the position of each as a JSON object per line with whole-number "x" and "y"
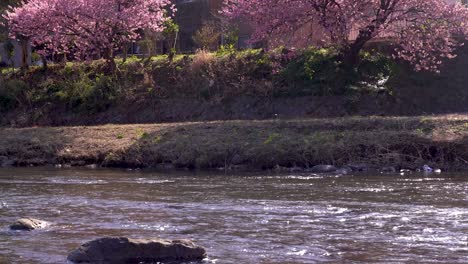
{"x": 426, "y": 31}
{"x": 86, "y": 28}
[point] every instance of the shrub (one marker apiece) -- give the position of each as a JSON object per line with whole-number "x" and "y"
{"x": 319, "y": 72}
{"x": 374, "y": 70}
{"x": 201, "y": 59}
{"x": 216, "y": 77}
{"x": 12, "y": 93}
{"x": 226, "y": 50}
{"x": 208, "y": 36}
{"x": 313, "y": 72}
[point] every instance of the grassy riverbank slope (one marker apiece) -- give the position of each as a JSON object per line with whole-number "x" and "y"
{"x": 233, "y": 85}
{"x": 379, "y": 141}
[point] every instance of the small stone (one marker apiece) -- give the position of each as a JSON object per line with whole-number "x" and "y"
{"x": 240, "y": 167}
{"x": 78, "y": 163}
{"x": 3, "y": 159}
{"x": 359, "y": 167}
{"x": 5, "y": 162}
{"x": 167, "y": 166}
{"x": 125, "y": 250}
{"x": 344, "y": 170}
{"x": 426, "y": 168}
{"x": 28, "y": 224}
{"x": 296, "y": 169}
{"x": 323, "y": 169}
{"x": 280, "y": 168}
{"x": 388, "y": 169}
{"x": 237, "y": 160}
{"x": 92, "y": 166}
{"x": 437, "y": 171}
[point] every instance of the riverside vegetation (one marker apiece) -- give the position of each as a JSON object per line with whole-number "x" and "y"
{"x": 274, "y": 86}
{"x": 88, "y": 88}
{"x": 252, "y": 84}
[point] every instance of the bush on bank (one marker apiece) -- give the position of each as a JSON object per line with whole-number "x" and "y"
{"x": 87, "y": 87}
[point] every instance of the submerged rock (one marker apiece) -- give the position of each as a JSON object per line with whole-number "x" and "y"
{"x": 112, "y": 250}
{"x": 323, "y": 169}
{"x": 28, "y": 224}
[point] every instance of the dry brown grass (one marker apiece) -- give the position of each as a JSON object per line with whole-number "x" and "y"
{"x": 202, "y": 58}
{"x": 399, "y": 141}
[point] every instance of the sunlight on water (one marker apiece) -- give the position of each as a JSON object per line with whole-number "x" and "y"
{"x": 260, "y": 218}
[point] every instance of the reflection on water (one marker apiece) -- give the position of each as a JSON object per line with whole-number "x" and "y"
{"x": 258, "y": 218}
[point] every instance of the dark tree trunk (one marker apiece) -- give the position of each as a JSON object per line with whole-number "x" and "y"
{"x": 111, "y": 66}
{"x": 24, "y": 53}
{"x": 351, "y": 53}
{"x": 44, "y": 63}
{"x": 126, "y": 46}
{"x": 350, "y": 60}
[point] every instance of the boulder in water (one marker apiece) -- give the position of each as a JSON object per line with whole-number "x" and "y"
{"x": 125, "y": 250}
{"x": 28, "y": 224}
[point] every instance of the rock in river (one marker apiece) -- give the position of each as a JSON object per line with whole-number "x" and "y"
{"x": 28, "y": 224}
{"x": 125, "y": 250}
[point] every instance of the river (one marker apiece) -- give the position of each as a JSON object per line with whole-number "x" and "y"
{"x": 240, "y": 218}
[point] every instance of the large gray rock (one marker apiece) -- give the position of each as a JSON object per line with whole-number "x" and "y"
{"x": 113, "y": 250}
{"x": 28, "y": 224}
{"x": 323, "y": 169}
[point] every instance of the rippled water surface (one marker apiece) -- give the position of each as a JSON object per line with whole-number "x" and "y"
{"x": 259, "y": 218}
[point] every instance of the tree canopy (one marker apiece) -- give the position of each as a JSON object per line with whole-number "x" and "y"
{"x": 4, "y": 6}
{"x": 425, "y": 31}
{"x": 86, "y": 28}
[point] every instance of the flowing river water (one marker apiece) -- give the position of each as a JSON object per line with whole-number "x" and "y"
{"x": 255, "y": 218}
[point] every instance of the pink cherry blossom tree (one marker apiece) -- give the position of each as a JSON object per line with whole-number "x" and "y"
{"x": 86, "y": 29}
{"x": 426, "y": 31}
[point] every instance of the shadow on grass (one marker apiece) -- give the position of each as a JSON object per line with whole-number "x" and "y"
{"x": 32, "y": 146}
{"x": 409, "y": 143}
{"x": 405, "y": 142}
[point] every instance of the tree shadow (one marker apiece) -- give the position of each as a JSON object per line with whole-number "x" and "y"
{"x": 403, "y": 142}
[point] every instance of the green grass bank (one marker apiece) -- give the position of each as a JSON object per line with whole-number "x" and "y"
{"x": 403, "y": 142}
